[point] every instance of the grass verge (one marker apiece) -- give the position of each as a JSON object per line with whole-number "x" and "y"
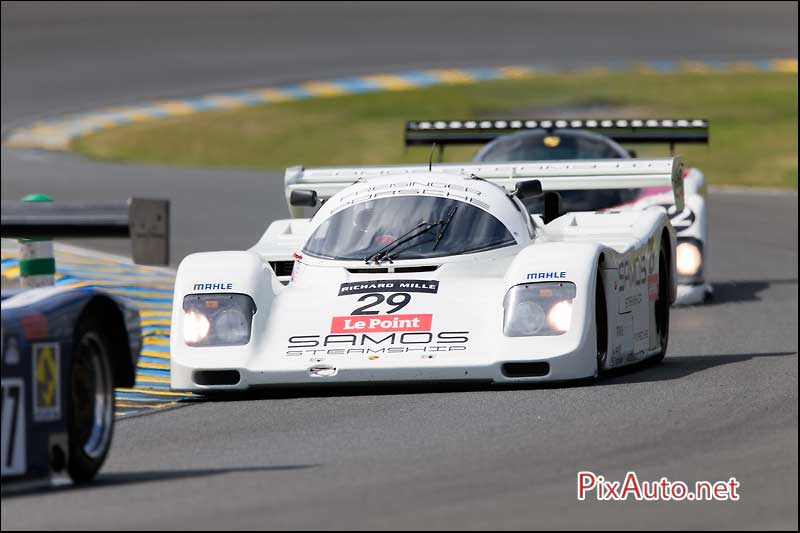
{"x": 753, "y": 123}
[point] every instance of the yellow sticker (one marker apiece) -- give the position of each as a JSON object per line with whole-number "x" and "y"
{"x": 47, "y": 394}
{"x": 551, "y": 141}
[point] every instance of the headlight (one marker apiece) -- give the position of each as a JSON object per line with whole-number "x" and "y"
{"x": 688, "y": 259}
{"x": 217, "y": 319}
{"x": 538, "y": 309}
{"x": 195, "y": 327}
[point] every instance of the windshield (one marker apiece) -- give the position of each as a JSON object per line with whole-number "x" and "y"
{"x": 545, "y": 146}
{"x": 562, "y": 145}
{"x": 359, "y": 232}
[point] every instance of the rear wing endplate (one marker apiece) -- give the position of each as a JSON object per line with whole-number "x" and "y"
{"x": 144, "y": 221}
{"x": 553, "y": 175}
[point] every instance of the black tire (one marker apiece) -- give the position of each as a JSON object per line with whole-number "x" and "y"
{"x": 90, "y": 401}
{"x": 601, "y": 325}
{"x": 662, "y": 307}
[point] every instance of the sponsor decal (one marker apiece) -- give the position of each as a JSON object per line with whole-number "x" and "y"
{"x": 375, "y": 344}
{"x": 551, "y": 141}
{"x": 547, "y": 275}
{"x": 46, "y": 390}
{"x": 391, "y": 285}
{"x": 213, "y": 286}
{"x": 35, "y": 326}
{"x": 634, "y": 271}
{"x": 11, "y": 351}
{"x": 652, "y": 287}
{"x": 381, "y": 323}
{"x": 634, "y": 300}
{"x": 450, "y": 190}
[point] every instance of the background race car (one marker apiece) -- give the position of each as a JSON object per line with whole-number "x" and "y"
{"x": 560, "y": 139}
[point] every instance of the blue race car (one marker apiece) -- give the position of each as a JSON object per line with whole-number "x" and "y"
{"x": 64, "y": 350}
{"x": 63, "y": 353}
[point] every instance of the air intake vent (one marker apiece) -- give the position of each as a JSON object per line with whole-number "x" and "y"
{"x": 282, "y": 268}
{"x": 430, "y": 268}
{"x": 216, "y": 377}
{"x": 389, "y": 270}
{"x": 368, "y": 270}
{"x": 525, "y": 370}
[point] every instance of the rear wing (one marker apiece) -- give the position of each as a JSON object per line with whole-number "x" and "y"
{"x": 637, "y": 131}
{"x": 145, "y": 221}
{"x": 553, "y": 175}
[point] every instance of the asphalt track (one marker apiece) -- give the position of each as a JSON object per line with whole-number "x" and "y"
{"x": 723, "y": 404}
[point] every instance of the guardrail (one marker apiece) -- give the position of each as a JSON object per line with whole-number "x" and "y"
{"x": 145, "y": 221}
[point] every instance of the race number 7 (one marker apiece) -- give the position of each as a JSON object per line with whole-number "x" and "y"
{"x": 12, "y": 454}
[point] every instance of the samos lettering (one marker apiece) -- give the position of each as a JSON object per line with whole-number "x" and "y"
{"x": 364, "y": 343}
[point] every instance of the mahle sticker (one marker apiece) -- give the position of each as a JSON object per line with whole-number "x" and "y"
{"x": 46, "y": 390}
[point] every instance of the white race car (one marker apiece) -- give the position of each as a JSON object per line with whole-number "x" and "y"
{"x": 433, "y": 273}
{"x": 521, "y": 139}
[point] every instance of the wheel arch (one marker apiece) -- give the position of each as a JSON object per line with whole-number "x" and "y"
{"x": 668, "y": 246}
{"x": 108, "y": 314}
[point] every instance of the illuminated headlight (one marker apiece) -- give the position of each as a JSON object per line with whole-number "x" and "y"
{"x": 195, "y": 327}
{"x": 538, "y": 309}
{"x": 688, "y": 259}
{"x": 217, "y": 319}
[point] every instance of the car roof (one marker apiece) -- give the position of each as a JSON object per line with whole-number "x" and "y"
{"x": 470, "y": 190}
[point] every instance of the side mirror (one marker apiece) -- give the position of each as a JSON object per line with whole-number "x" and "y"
{"x": 528, "y": 189}
{"x": 303, "y": 198}
{"x": 632, "y": 153}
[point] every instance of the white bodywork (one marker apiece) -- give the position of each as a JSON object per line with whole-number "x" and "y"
{"x": 297, "y": 331}
{"x": 691, "y": 225}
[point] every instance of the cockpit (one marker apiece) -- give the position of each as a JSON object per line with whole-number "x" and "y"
{"x": 407, "y": 227}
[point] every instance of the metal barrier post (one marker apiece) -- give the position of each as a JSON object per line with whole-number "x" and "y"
{"x": 37, "y": 266}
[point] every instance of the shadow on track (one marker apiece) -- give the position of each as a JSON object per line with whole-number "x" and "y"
{"x": 679, "y": 366}
{"x": 130, "y": 478}
{"x": 743, "y": 291}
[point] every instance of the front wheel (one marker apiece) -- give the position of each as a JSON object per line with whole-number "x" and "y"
{"x": 90, "y": 414}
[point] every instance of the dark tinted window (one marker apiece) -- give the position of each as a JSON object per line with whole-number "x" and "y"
{"x": 561, "y": 145}
{"x": 360, "y": 230}
{"x": 551, "y": 146}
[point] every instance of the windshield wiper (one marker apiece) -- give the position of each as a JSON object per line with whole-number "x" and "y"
{"x": 444, "y": 224}
{"x": 391, "y": 250}
{"x": 381, "y": 254}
